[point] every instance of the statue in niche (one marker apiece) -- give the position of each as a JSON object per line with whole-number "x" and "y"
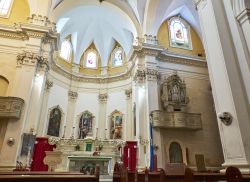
{"x": 54, "y": 122}
{"x": 85, "y": 125}
{"x": 116, "y": 125}
{"x": 173, "y": 93}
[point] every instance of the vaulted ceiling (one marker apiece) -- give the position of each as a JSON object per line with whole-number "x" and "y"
{"x": 111, "y": 21}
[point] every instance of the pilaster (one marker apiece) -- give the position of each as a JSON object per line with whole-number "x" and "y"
{"x": 129, "y": 125}
{"x": 41, "y": 130}
{"x": 227, "y": 85}
{"x": 103, "y": 121}
{"x": 70, "y": 129}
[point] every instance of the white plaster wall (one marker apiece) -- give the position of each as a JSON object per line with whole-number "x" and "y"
{"x": 117, "y": 101}
{"x": 87, "y": 101}
{"x": 58, "y": 96}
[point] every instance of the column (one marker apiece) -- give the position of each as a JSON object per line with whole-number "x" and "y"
{"x": 128, "y": 125}
{"x": 152, "y": 76}
{"x": 41, "y": 131}
{"x": 71, "y": 125}
{"x": 22, "y": 86}
{"x": 36, "y": 96}
{"x": 142, "y": 130}
{"x": 103, "y": 120}
{"x": 228, "y": 88}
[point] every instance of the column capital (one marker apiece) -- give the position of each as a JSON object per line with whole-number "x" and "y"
{"x": 152, "y": 74}
{"x": 103, "y": 98}
{"x": 32, "y": 59}
{"x": 72, "y": 95}
{"x": 128, "y": 93}
{"x": 48, "y": 85}
{"x": 140, "y": 76}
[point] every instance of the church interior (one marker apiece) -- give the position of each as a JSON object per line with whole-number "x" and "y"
{"x": 148, "y": 83}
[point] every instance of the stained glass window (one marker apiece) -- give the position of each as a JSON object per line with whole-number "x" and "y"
{"x": 66, "y": 50}
{"x": 5, "y": 7}
{"x": 118, "y": 58}
{"x": 91, "y": 61}
{"x": 179, "y": 34}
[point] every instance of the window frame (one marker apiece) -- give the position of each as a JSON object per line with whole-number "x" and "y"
{"x": 9, "y": 10}
{"x": 187, "y": 27}
{"x": 113, "y": 56}
{"x": 86, "y": 56}
{"x": 70, "y": 56}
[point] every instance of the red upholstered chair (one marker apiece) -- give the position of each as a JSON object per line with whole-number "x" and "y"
{"x": 233, "y": 174}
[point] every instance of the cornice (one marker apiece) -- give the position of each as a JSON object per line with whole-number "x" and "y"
{"x": 142, "y": 50}
{"x": 25, "y": 31}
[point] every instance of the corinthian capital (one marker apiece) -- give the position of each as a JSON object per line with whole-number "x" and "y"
{"x": 72, "y": 95}
{"x": 103, "y": 98}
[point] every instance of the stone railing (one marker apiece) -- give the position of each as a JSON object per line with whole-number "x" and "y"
{"x": 11, "y": 107}
{"x": 176, "y": 120}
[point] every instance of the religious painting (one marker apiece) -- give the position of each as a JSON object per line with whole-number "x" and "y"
{"x": 116, "y": 122}
{"x": 54, "y": 122}
{"x": 28, "y": 144}
{"x": 179, "y": 32}
{"x": 118, "y": 58}
{"x": 85, "y": 125}
{"x": 91, "y": 61}
{"x": 175, "y": 153}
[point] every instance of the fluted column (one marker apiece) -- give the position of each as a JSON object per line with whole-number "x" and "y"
{"x": 71, "y": 125}
{"x": 103, "y": 120}
{"x": 41, "y": 131}
{"x": 128, "y": 125}
{"x": 229, "y": 91}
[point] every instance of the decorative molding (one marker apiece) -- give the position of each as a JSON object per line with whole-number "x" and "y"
{"x": 150, "y": 39}
{"x": 152, "y": 74}
{"x": 179, "y": 59}
{"x": 30, "y": 59}
{"x": 11, "y": 107}
{"x": 48, "y": 85}
{"x": 200, "y": 4}
{"x": 140, "y": 76}
{"x": 103, "y": 98}
{"x": 128, "y": 93}
{"x": 143, "y": 50}
{"x": 72, "y": 95}
{"x": 41, "y": 21}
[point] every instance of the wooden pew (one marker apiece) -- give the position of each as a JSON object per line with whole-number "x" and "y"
{"x": 48, "y": 178}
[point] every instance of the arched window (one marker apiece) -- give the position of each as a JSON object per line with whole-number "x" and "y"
{"x": 85, "y": 125}
{"x": 175, "y": 153}
{"x": 5, "y": 6}
{"x": 116, "y": 120}
{"x": 54, "y": 122}
{"x": 91, "y": 60}
{"x": 179, "y": 32}
{"x": 66, "y": 50}
{"x": 118, "y": 57}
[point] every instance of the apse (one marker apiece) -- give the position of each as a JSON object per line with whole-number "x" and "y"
{"x": 103, "y": 29}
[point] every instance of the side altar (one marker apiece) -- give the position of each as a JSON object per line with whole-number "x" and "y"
{"x": 82, "y": 155}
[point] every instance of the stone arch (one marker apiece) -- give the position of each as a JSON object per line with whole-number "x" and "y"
{"x": 183, "y": 149}
{"x": 53, "y": 121}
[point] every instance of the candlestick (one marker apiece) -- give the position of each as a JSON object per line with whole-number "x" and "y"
{"x": 64, "y": 130}
{"x": 96, "y": 133}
